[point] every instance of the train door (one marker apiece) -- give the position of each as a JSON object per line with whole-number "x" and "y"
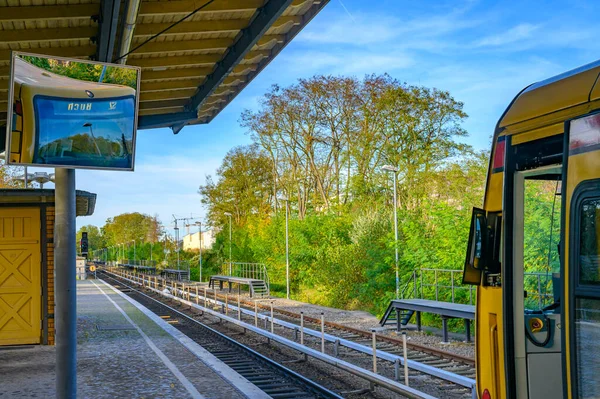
{"x": 536, "y": 271}
{"x": 581, "y": 205}
{"x": 531, "y": 268}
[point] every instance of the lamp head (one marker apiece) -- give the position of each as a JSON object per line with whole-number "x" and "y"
{"x": 390, "y": 168}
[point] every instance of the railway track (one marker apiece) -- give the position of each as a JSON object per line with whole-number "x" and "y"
{"x": 457, "y": 364}
{"x": 274, "y": 379}
{"x": 430, "y": 357}
{"x": 419, "y": 351}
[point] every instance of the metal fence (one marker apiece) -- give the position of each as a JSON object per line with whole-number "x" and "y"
{"x": 256, "y": 271}
{"x": 138, "y": 262}
{"x": 538, "y": 286}
{"x": 446, "y": 285}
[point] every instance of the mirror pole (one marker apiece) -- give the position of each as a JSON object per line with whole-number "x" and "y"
{"x": 65, "y": 291}
{"x": 396, "y": 234}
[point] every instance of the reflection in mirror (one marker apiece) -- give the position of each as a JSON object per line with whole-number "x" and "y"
{"x": 72, "y": 113}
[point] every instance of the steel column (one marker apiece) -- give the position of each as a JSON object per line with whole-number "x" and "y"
{"x": 396, "y": 234}
{"x": 287, "y": 252}
{"x": 109, "y": 16}
{"x": 65, "y": 293}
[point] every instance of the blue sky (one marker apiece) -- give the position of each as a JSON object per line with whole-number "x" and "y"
{"x": 483, "y": 52}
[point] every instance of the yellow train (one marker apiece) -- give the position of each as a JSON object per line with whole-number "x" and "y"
{"x": 551, "y": 349}
{"x": 60, "y": 121}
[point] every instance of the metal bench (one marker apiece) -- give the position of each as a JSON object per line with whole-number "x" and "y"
{"x": 402, "y": 310}
{"x": 175, "y": 274}
{"x": 256, "y": 287}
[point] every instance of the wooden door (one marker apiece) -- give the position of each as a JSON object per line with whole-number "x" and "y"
{"x": 20, "y": 276}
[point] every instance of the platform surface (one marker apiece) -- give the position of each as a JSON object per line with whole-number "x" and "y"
{"x": 122, "y": 353}
{"x": 442, "y": 308}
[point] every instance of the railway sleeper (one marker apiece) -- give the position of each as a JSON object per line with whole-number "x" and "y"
{"x": 290, "y": 395}
{"x": 281, "y": 388}
{"x": 437, "y": 362}
{"x": 261, "y": 380}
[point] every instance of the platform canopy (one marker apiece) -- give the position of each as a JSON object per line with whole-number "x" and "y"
{"x": 190, "y": 72}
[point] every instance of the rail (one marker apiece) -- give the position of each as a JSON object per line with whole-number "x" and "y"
{"x": 264, "y": 371}
{"x": 412, "y": 364}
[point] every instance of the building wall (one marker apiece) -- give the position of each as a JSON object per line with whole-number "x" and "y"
{"x": 192, "y": 241}
{"x": 49, "y": 319}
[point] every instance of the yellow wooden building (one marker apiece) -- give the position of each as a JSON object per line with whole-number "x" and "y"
{"x": 27, "y": 263}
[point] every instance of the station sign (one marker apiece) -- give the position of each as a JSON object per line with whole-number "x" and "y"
{"x": 71, "y": 113}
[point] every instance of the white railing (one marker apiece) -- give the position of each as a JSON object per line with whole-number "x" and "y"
{"x": 138, "y": 262}
{"x": 256, "y": 271}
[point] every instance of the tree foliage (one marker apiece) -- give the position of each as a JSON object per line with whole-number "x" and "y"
{"x": 243, "y": 186}
{"x": 7, "y": 175}
{"x": 127, "y": 227}
{"x": 86, "y": 72}
{"x": 327, "y": 138}
{"x": 321, "y": 143}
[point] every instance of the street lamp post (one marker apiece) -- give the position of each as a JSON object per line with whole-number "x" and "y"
{"x": 177, "y": 244}
{"x": 229, "y": 216}
{"x": 165, "y": 248}
{"x": 87, "y": 124}
{"x": 394, "y": 170}
{"x": 133, "y": 251}
{"x": 200, "y": 238}
{"x": 287, "y": 249}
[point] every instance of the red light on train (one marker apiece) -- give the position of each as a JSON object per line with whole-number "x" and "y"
{"x": 486, "y": 394}
{"x": 18, "y": 108}
{"x": 499, "y": 154}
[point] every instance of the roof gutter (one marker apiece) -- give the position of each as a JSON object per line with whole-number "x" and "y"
{"x": 131, "y": 14}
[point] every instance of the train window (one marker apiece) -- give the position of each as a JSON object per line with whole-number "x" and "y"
{"x": 587, "y": 301}
{"x": 589, "y": 265}
{"x": 541, "y": 235}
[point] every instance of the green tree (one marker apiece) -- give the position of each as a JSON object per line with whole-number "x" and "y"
{"x": 322, "y": 144}
{"x": 96, "y": 239}
{"x": 126, "y": 227}
{"x": 243, "y": 186}
{"x": 7, "y": 175}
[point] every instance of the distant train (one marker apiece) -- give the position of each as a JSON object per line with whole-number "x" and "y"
{"x": 551, "y": 348}
{"x": 58, "y": 120}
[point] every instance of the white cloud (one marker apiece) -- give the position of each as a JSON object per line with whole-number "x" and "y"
{"x": 516, "y": 33}
{"x": 345, "y": 62}
{"x": 364, "y": 29}
{"x": 161, "y": 185}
